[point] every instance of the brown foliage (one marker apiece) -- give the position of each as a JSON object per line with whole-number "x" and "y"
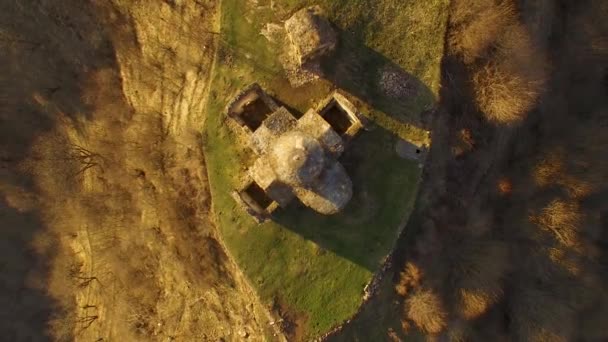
{"x": 548, "y": 169}
{"x": 562, "y": 219}
{"x": 474, "y": 26}
{"x": 505, "y": 186}
{"x": 547, "y": 237}
{"x": 426, "y": 310}
{"x": 507, "y": 85}
{"x": 409, "y": 278}
{"x": 508, "y": 70}
{"x": 463, "y": 142}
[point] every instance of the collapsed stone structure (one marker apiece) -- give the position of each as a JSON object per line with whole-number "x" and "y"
{"x": 310, "y": 34}
{"x": 296, "y": 157}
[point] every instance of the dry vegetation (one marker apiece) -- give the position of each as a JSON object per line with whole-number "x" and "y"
{"x": 425, "y": 309}
{"x": 508, "y": 70}
{"x": 476, "y": 25}
{"x": 513, "y": 219}
{"x": 104, "y": 205}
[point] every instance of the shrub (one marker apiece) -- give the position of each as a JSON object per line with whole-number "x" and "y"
{"x": 511, "y": 75}
{"x": 561, "y": 219}
{"x": 426, "y": 310}
{"x": 474, "y": 303}
{"x": 409, "y": 278}
{"x": 565, "y": 260}
{"x": 477, "y": 272}
{"x": 476, "y": 25}
{"x": 549, "y": 168}
{"x": 552, "y": 170}
{"x": 505, "y": 89}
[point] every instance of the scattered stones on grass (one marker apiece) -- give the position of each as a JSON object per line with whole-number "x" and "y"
{"x": 396, "y": 83}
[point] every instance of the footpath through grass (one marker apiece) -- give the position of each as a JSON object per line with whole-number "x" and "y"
{"x": 310, "y": 267}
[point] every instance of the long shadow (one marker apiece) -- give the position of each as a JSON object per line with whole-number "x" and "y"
{"x": 26, "y": 307}
{"x": 48, "y": 51}
{"x": 383, "y": 183}
{"x": 383, "y": 191}
{"x": 377, "y": 80}
{"x": 518, "y": 163}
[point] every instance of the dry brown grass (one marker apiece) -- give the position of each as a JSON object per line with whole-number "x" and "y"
{"x": 109, "y": 194}
{"x": 426, "y": 310}
{"x": 549, "y": 169}
{"x": 474, "y": 303}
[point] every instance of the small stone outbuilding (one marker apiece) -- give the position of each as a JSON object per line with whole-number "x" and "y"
{"x": 251, "y": 107}
{"x": 311, "y": 34}
{"x": 296, "y": 157}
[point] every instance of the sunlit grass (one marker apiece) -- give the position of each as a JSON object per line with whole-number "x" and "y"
{"x": 316, "y": 266}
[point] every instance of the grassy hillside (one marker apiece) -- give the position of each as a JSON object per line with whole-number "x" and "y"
{"x": 104, "y": 205}
{"x": 311, "y": 268}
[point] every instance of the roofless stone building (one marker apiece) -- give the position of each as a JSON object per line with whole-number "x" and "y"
{"x": 296, "y": 158}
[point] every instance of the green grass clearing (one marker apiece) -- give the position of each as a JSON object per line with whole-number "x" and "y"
{"x": 314, "y": 266}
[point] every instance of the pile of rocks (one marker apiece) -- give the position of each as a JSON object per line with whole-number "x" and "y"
{"x": 396, "y": 83}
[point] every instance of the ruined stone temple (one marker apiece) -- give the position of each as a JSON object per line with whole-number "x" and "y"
{"x": 296, "y": 158}
{"x": 310, "y": 34}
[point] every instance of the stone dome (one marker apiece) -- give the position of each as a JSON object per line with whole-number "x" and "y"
{"x": 297, "y": 158}
{"x": 330, "y": 193}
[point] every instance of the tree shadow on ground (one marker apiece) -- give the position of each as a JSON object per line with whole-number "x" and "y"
{"x": 26, "y": 307}
{"x": 538, "y": 279}
{"x": 384, "y": 184}
{"x": 49, "y": 50}
{"x": 378, "y": 81}
{"x": 383, "y": 193}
